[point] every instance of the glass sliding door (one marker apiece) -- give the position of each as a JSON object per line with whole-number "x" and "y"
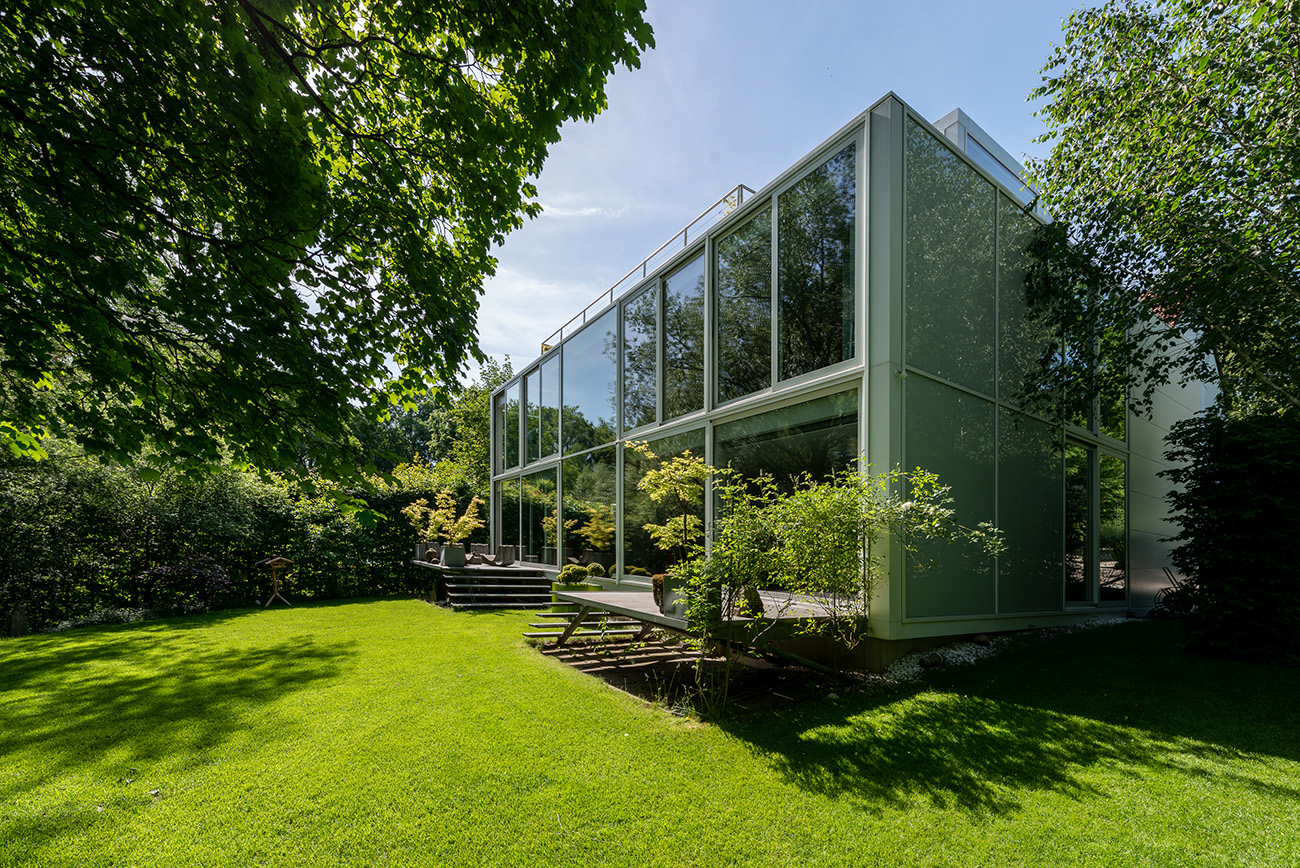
{"x": 1096, "y": 526}
{"x": 1080, "y": 560}
{"x": 1112, "y": 531}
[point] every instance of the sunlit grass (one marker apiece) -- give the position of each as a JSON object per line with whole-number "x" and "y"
{"x": 396, "y": 733}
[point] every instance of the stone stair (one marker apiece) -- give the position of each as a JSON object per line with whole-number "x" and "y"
{"x": 508, "y": 588}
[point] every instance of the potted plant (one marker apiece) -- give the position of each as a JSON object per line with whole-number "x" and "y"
{"x": 440, "y": 523}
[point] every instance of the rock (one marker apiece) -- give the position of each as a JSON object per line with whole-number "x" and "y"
{"x": 932, "y": 659}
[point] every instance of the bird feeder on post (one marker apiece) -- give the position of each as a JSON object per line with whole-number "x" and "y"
{"x": 275, "y": 565}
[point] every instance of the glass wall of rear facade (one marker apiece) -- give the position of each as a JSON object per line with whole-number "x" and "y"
{"x": 970, "y": 350}
{"x": 748, "y": 348}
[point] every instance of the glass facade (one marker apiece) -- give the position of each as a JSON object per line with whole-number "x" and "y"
{"x": 590, "y": 384}
{"x": 641, "y": 556}
{"x": 744, "y": 308}
{"x": 590, "y": 501}
{"x": 948, "y": 271}
{"x": 538, "y": 505}
{"x": 816, "y": 222}
{"x": 816, "y": 438}
{"x": 726, "y": 332}
{"x": 684, "y": 340}
{"x": 640, "y": 358}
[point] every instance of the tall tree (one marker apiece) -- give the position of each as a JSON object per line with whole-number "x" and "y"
{"x": 1174, "y": 178}
{"x": 219, "y": 221}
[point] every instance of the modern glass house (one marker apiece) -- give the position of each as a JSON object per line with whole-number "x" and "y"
{"x": 867, "y": 305}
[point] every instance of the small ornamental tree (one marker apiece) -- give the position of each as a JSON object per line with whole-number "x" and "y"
{"x": 677, "y": 482}
{"x": 440, "y": 523}
{"x": 834, "y": 535}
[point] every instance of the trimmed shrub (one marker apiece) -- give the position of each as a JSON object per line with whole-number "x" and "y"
{"x": 572, "y": 574}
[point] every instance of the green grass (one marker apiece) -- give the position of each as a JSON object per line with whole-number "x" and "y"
{"x": 396, "y": 733}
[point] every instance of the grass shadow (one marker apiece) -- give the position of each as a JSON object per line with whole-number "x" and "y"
{"x": 145, "y": 694}
{"x": 983, "y": 739}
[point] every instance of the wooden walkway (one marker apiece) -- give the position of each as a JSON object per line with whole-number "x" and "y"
{"x": 640, "y": 606}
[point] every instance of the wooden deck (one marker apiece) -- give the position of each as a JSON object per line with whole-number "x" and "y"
{"x": 640, "y": 606}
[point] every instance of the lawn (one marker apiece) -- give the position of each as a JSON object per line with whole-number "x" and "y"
{"x": 392, "y": 732}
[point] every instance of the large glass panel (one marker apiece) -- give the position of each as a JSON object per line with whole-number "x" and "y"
{"x": 508, "y": 426}
{"x": 1080, "y": 565}
{"x": 815, "y": 276}
{"x": 499, "y": 433}
{"x": 640, "y": 354}
{"x": 590, "y": 384}
{"x": 744, "y": 308}
{"x": 1025, "y": 344}
{"x": 684, "y": 340}
{"x": 948, "y": 270}
{"x": 950, "y": 432}
{"x": 1113, "y": 533}
{"x": 550, "y": 409}
{"x": 641, "y": 557}
{"x": 590, "y": 496}
{"x": 817, "y": 437}
{"x": 1112, "y": 393}
{"x": 533, "y": 414}
{"x": 1029, "y": 514}
{"x": 537, "y": 517}
{"x": 508, "y": 498}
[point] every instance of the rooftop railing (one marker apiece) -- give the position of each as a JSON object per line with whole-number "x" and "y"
{"x": 647, "y": 266}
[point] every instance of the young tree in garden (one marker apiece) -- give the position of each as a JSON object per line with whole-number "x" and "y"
{"x": 220, "y": 221}
{"x": 1175, "y": 133}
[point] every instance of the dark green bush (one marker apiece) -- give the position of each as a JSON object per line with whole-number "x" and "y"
{"x": 79, "y": 537}
{"x": 1238, "y": 504}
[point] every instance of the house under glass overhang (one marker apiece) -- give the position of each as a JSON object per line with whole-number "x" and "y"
{"x": 867, "y": 305}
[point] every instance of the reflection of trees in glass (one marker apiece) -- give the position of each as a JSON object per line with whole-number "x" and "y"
{"x": 1029, "y": 513}
{"x": 815, "y": 221}
{"x": 1113, "y": 532}
{"x": 684, "y": 340}
{"x": 817, "y": 437}
{"x": 949, "y": 266}
{"x": 1025, "y": 342}
{"x": 533, "y": 414}
{"x": 590, "y": 384}
{"x": 508, "y": 496}
{"x": 550, "y": 409}
{"x": 589, "y": 500}
{"x": 538, "y": 496}
{"x": 950, "y": 432}
{"x": 640, "y": 555}
{"x": 510, "y": 426}
{"x": 1078, "y": 525}
{"x": 640, "y": 351}
{"x": 744, "y": 287}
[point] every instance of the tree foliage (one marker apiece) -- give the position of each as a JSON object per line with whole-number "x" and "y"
{"x": 78, "y": 536}
{"x": 1238, "y": 514}
{"x": 220, "y": 222}
{"x": 1175, "y": 133}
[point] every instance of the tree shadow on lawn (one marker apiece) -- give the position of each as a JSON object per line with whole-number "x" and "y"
{"x": 983, "y": 739}
{"x": 153, "y": 696}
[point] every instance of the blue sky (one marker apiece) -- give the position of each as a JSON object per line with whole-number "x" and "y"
{"x": 735, "y": 92}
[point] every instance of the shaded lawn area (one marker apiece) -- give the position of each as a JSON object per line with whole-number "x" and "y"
{"x": 392, "y": 732}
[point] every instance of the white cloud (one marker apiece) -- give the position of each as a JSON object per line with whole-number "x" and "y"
{"x": 590, "y": 211}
